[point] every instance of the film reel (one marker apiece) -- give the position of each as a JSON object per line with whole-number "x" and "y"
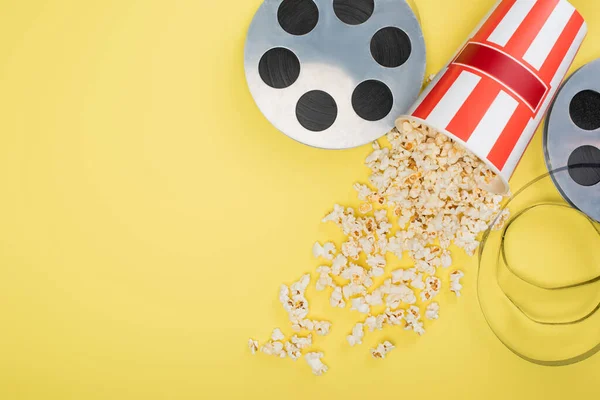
{"x": 334, "y": 74}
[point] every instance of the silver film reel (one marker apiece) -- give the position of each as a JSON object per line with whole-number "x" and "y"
{"x": 572, "y": 138}
{"x": 334, "y": 74}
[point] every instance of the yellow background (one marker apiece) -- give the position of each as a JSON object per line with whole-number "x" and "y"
{"x": 149, "y": 213}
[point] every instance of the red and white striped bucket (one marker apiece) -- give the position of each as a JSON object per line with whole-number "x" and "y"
{"x": 493, "y": 95}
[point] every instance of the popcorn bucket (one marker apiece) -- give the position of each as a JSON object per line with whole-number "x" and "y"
{"x": 493, "y": 95}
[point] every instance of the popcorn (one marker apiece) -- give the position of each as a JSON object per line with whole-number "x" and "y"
{"x": 301, "y": 342}
{"x": 455, "y": 285}
{"x": 374, "y": 299}
{"x": 430, "y": 186}
{"x": 377, "y": 271}
{"x": 299, "y": 287}
{"x": 409, "y": 277}
{"x": 446, "y": 259}
{"x": 377, "y": 264}
{"x": 394, "y": 317}
{"x": 363, "y": 191}
{"x": 315, "y": 363}
{"x": 395, "y": 246}
{"x": 433, "y": 285}
{"x": 351, "y": 249}
{"x": 400, "y": 294}
{"x": 293, "y": 300}
{"x": 381, "y": 216}
{"x": 339, "y": 265}
{"x": 501, "y": 220}
{"x": 305, "y": 324}
{"x": 431, "y": 182}
{"x": 273, "y": 348}
{"x": 325, "y": 280}
{"x": 382, "y": 350}
{"x": 384, "y": 228}
{"x": 253, "y": 345}
{"x": 292, "y": 351}
{"x": 432, "y": 311}
{"x": 284, "y": 294}
{"x": 425, "y": 267}
{"x": 360, "y": 304}
{"x": 375, "y": 322}
{"x": 358, "y": 333}
{"x": 357, "y": 275}
{"x": 326, "y": 251}
{"x": 295, "y": 303}
{"x": 365, "y": 208}
{"x": 367, "y": 244}
{"x": 322, "y": 327}
{"x": 413, "y": 320}
{"x": 337, "y": 298}
{"x": 277, "y": 335}
{"x": 336, "y": 215}
{"x": 352, "y": 290}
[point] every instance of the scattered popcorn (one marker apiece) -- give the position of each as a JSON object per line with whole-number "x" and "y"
{"x": 400, "y": 294}
{"x": 360, "y": 304}
{"x": 409, "y": 277}
{"x": 375, "y": 322}
{"x": 293, "y": 300}
{"x": 339, "y": 265}
{"x": 455, "y": 285}
{"x": 351, "y": 249}
{"x": 315, "y": 363}
{"x": 431, "y": 187}
{"x": 413, "y": 320}
{"x": 446, "y": 259}
{"x": 336, "y": 215}
{"x": 325, "y": 279}
{"x": 374, "y": 299}
{"x": 367, "y": 244}
{"x": 501, "y": 220}
{"x": 357, "y": 275}
{"x": 433, "y": 311}
{"x": 352, "y": 290}
{"x": 304, "y": 324}
{"x": 382, "y": 350}
{"x": 394, "y": 317}
{"x": 377, "y": 264}
{"x": 326, "y": 251}
{"x": 322, "y": 327}
{"x": 365, "y": 208}
{"x": 277, "y": 335}
{"x": 294, "y": 347}
{"x": 358, "y": 333}
{"x": 292, "y": 351}
{"x": 337, "y": 298}
{"x": 433, "y": 285}
{"x": 272, "y": 348}
{"x": 381, "y": 216}
{"x": 253, "y": 346}
{"x": 299, "y": 287}
{"x": 284, "y": 294}
{"x": 301, "y": 342}
{"x": 363, "y": 191}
